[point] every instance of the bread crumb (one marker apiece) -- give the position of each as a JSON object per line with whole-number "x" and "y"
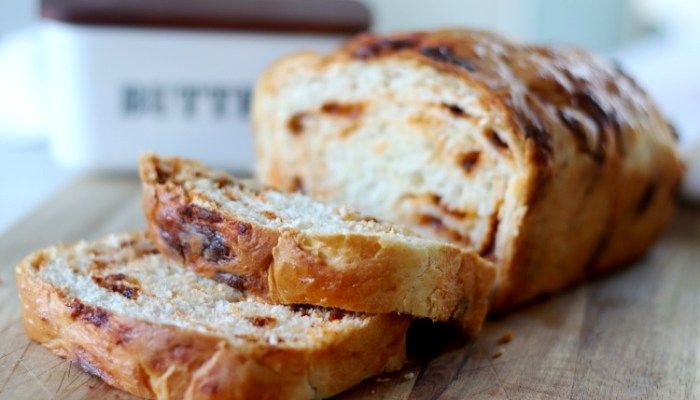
{"x": 382, "y": 379}
{"x": 498, "y": 353}
{"x": 507, "y": 337}
{"x": 408, "y": 376}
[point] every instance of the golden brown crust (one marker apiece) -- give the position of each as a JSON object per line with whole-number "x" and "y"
{"x": 479, "y": 296}
{"x": 525, "y": 79}
{"x": 597, "y": 162}
{"x": 353, "y": 272}
{"x": 163, "y": 361}
{"x": 383, "y": 277}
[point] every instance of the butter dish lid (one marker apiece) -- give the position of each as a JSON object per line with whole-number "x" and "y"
{"x": 298, "y": 16}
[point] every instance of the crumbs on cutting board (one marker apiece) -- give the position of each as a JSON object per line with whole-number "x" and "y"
{"x": 507, "y": 337}
{"x": 498, "y": 352}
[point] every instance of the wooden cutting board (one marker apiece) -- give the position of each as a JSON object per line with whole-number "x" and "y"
{"x": 635, "y": 334}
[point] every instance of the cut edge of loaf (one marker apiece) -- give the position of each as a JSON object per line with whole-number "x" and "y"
{"x": 289, "y": 157}
{"x": 155, "y": 359}
{"x": 372, "y": 267}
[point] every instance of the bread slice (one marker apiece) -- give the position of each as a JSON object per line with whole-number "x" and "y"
{"x": 292, "y": 249}
{"x": 551, "y": 162}
{"x": 149, "y": 326}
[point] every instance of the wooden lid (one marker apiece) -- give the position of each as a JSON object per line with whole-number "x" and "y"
{"x": 329, "y": 16}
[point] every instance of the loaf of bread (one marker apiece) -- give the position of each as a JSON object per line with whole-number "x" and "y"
{"x": 291, "y": 249}
{"x": 149, "y": 326}
{"x": 551, "y": 162}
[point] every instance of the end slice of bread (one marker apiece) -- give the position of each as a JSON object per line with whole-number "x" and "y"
{"x": 292, "y": 249}
{"x": 149, "y": 326}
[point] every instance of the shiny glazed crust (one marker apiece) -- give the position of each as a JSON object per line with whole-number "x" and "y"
{"x": 593, "y": 165}
{"x": 351, "y": 271}
{"x": 163, "y": 361}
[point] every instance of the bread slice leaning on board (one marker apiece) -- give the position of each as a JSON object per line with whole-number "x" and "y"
{"x": 550, "y": 161}
{"x": 148, "y": 325}
{"x": 291, "y": 249}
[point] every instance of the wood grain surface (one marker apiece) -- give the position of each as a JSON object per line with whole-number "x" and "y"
{"x": 634, "y": 334}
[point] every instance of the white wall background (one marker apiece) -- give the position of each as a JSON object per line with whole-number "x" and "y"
{"x": 15, "y": 14}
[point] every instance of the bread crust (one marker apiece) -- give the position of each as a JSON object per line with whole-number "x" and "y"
{"x": 353, "y": 272}
{"x": 384, "y": 277}
{"x": 163, "y": 361}
{"x": 597, "y": 164}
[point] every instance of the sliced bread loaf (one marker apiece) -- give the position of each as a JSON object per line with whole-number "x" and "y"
{"x": 551, "y": 162}
{"x": 292, "y": 249}
{"x": 148, "y": 325}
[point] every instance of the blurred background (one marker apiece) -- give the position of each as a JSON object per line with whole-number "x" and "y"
{"x": 88, "y": 84}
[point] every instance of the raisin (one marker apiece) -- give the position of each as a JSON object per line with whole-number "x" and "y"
{"x": 382, "y": 46}
{"x": 468, "y": 161}
{"x": 579, "y": 132}
{"x": 172, "y": 240}
{"x": 243, "y": 228}
{"x": 269, "y": 214}
{"x": 216, "y": 249}
{"x": 603, "y": 120}
{"x": 191, "y": 211}
{"x": 262, "y": 321}
{"x": 92, "y": 315}
{"x": 235, "y": 281}
{"x": 455, "y": 110}
{"x": 496, "y": 139}
{"x": 342, "y": 109}
{"x": 297, "y": 185}
{"x": 296, "y": 123}
{"x": 445, "y": 54}
{"x": 117, "y": 283}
